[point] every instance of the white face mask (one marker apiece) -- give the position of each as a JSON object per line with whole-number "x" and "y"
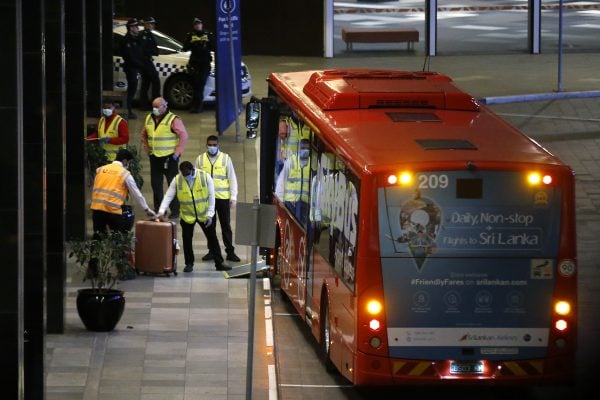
{"x": 212, "y": 150}
{"x": 155, "y": 111}
{"x": 107, "y": 112}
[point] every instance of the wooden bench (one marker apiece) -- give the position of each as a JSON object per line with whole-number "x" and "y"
{"x": 379, "y": 35}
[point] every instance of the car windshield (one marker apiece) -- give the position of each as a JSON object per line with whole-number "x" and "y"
{"x": 166, "y": 44}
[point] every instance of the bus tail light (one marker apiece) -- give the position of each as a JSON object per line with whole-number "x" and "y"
{"x": 562, "y": 307}
{"x": 561, "y": 325}
{"x": 374, "y": 307}
{"x": 374, "y": 325}
{"x": 403, "y": 179}
{"x": 535, "y": 178}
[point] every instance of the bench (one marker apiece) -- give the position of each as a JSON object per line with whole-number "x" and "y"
{"x": 379, "y": 35}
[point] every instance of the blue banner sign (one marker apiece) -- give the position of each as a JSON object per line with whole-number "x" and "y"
{"x": 228, "y": 63}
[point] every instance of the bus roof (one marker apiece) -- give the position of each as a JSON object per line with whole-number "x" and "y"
{"x": 380, "y": 119}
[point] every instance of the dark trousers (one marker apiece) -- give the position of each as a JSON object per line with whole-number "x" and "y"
{"x": 132, "y": 83}
{"x": 187, "y": 234}
{"x": 102, "y": 221}
{"x": 199, "y": 77}
{"x": 159, "y": 167}
{"x": 223, "y": 211}
{"x": 149, "y": 78}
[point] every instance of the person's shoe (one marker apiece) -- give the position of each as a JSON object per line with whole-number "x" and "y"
{"x": 233, "y": 257}
{"x": 222, "y": 267}
{"x": 208, "y": 257}
{"x": 188, "y": 268}
{"x": 131, "y": 115}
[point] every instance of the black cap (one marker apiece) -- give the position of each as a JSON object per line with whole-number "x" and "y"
{"x": 132, "y": 22}
{"x": 149, "y": 20}
{"x": 197, "y": 21}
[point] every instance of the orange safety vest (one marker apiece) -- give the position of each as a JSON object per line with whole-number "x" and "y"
{"x": 110, "y": 190}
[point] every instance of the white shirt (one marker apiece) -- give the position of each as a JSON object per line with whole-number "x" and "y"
{"x": 172, "y": 192}
{"x": 133, "y": 189}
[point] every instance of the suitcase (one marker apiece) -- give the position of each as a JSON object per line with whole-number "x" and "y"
{"x": 156, "y": 247}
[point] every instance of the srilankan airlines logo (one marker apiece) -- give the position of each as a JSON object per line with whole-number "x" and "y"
{"x": 470, "y": 337}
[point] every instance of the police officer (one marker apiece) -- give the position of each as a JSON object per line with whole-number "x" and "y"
{"x": 196, "y": 194}
{"x": 132, "y": 52}
{"x": 218, "y": 164}
{"x": 200, "y": 43}
{"x": 112, "y": 131}
{"x": 164, "y": 137}
{"x": 150, "y": 76}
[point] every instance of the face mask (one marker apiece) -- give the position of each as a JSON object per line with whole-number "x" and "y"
{"x": 107, "y": 112}
{"x": 190, "y": 178}
{"x": 212, "y": 150}
{"x": 155, "y": 111}
{"x": 304, "y": 154}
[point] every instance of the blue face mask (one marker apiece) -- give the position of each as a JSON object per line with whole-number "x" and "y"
{"x": 304, "y": 154}
{"x": 212, "y": 150}
{"x": 107, "y": 112}
{"x": 190, "y": 178}
{"x": 155, "y": 111}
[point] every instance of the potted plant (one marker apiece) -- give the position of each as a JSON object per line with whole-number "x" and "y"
{"x": 103, "y": 260}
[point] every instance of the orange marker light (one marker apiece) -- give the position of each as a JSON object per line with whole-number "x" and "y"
{"x": 374, "y": 307}
{"x": 405, "y": 178}
{"x": 534, "y": 178}
{"x": 562, "y": 308}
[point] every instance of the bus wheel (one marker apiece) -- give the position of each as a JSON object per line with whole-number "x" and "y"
{"x": 326, "y": 334}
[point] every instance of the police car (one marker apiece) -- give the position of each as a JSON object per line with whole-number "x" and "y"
{"x": 171, "y": 64}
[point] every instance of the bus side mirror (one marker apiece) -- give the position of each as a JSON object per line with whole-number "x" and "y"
{"x": 252, "y": 117}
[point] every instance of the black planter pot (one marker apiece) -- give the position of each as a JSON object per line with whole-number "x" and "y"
{"x": 100, "y": 311}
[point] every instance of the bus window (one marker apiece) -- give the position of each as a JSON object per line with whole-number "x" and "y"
{"x": 292, "y": 185}
{"x": 334, "y": 213}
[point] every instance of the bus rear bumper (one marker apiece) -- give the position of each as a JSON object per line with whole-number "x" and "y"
{"x": 372, "y": 370}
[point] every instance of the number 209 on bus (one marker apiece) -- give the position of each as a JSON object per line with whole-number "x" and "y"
{"x": 421, "y": 237}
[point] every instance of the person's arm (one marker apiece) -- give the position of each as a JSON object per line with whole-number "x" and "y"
{"x": 187, "y": 43}
{"x": 233, "y": 184}
{"x": 179, "y": 129}
{"x": 133, "y": 189}
{"x": 168, "y": 198}
{"x": 210, "y": 212}
{"x": 123, "y": 137}
{"x": 144, "y": 139}
{"x": 280, "y": 186}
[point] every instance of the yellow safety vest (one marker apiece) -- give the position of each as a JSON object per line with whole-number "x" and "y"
{"x": 218, "y": 172}
{"x": 161, "y": 140}
{"x": 193, "y": 203}
{"x": 111, "y": 132}
{"x": 297, "y": 132}
{"x": 296, "y": 185}
{"x": 110, "y": 190}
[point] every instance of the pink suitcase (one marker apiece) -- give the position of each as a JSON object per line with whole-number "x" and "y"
{"x": 156, "y": 247}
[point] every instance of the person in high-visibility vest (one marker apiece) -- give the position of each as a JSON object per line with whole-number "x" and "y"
{"x": 112, "y": 132}
{"x": 164, "y": 137}
{"x": 112, "y": 184}
{"x": 220, "y": 167}
{"x": 195, "y": 191}
{"x": 293, "y": 183}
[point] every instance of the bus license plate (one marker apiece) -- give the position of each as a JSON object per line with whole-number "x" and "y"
{"x": 466, "y": 367}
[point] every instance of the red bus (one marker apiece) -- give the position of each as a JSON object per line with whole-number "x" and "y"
{"x": 421, "y": 237}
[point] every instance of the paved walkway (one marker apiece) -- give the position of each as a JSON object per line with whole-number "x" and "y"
{"x": 185, "y": 337}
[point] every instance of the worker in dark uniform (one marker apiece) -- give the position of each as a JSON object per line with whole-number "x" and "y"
{"x": 150, "y": 75}
{"x": 132, "y": 52}
{"x": 200, "y": 43}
